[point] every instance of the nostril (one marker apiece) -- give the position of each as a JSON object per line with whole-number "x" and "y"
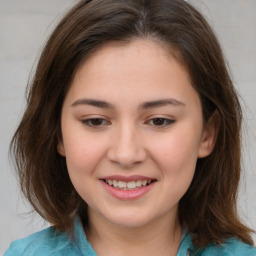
{"x": 126, "y": 157}
{"x": 126, "y": 147}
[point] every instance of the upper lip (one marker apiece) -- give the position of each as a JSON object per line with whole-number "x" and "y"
{"x": 127, "y": 178}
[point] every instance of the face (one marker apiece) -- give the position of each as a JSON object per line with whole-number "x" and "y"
{"x": 132, "y": 132}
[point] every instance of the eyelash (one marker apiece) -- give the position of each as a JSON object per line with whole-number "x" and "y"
{"x": 165, "y": 122}
{"x": 89, "y": 121}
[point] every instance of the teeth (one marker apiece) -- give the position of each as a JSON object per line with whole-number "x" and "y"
{"x": 144, "y": 182}
{"x": 138, "y": 183}
{"x": 131, "y": 185}
{"x": 121, "y": 184}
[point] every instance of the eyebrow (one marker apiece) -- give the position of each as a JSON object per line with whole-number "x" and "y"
{"x": 145, "y": 105}
{"x": 161, "y": 103}
{"x": 92, "y": 102}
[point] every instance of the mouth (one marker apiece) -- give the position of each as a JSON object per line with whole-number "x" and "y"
{"x": 130, "y": 185}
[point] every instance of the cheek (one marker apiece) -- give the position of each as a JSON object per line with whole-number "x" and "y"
{"x": 83, "y": 154}
{"x": 82, "y": 159}
{"x": 177, "y": 165}
{"x": 176, "y": 157}
{"x": 178, "y": 162}
{"x": 176, "y": 149}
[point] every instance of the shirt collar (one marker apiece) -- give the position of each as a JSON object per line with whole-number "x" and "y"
{"x": 86, "y": 249}
{"x": 83, "y": 245}
{"x": 186, "y": 244}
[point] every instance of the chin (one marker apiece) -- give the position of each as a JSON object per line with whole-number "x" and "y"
{"x": 132, "y": 220}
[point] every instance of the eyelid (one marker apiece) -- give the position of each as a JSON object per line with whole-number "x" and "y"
{"x": 87, "y": 121}
{"x": 168, "y": 121}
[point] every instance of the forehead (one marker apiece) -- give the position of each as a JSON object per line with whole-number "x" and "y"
{"x": 132, "y": 70}
{"x": 137, "y": 55}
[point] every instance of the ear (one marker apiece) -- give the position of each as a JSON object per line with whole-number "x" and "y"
{"x": 60, "y": 148}
{"x": 209, "y": 135}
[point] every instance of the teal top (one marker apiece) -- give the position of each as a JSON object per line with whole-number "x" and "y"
{"x": 50, "y": 242}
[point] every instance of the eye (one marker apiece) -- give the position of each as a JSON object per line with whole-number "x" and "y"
{"x": 95, "y": 122}
{"x": 160, "y": 122}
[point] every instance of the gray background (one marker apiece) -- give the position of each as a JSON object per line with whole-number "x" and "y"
{"x": 24, "y": 26}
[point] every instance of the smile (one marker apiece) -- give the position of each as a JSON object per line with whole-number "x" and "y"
{"x": 128, "y": 187}
{"x": 131, "y": 185}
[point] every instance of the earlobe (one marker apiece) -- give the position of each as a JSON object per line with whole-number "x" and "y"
{"x": 209, "y": 135}
{"x": 61, "y": 149}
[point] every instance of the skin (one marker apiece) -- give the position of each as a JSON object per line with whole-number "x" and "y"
{"x": 128, "y": 139}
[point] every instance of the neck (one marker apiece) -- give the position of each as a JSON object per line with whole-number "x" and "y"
{"x": 160, "y": 237}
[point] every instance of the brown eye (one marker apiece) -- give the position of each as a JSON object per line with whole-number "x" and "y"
{"x": 160, "y": 122}
{"x": 95, "y": 122}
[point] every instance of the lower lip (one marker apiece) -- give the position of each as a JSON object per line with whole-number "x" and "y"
{"x": 127, "y": 194}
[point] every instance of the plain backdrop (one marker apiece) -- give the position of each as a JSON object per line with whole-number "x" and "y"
{"x": 24, "y": 27}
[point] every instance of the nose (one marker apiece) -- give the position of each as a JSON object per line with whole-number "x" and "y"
{"x": 127, "y": 148}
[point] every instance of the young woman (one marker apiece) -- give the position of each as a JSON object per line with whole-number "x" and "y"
{"x": 130, "y": 142}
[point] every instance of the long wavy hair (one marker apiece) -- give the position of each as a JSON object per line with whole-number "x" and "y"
{"x": 209, "y": 208}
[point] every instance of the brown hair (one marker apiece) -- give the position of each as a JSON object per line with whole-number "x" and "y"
{"x": 208, "y": 209}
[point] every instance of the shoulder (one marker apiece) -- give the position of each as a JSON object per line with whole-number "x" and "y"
{"x": 46, "y": 242}
{"x": 232, "y": 247}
